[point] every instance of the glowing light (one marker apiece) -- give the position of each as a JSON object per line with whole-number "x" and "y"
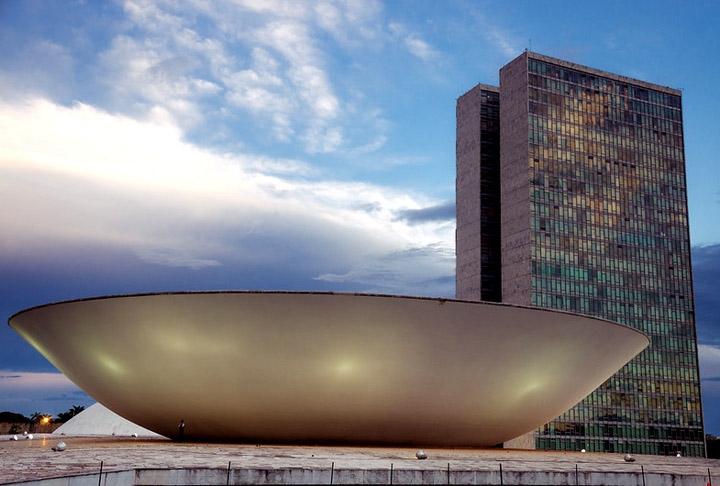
{"x": 345, "y": 368}
{"x": 110, "y": 364}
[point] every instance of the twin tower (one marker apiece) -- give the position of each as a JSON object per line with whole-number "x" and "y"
{"x": 571, "y": 195}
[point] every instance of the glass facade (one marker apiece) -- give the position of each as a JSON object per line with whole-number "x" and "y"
{"x": 608, "y": 237}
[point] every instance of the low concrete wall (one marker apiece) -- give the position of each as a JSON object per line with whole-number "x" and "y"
{"x": 196, "y": 476}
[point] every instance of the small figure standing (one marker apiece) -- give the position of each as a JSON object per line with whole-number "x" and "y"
{"x": 181, "y": 430}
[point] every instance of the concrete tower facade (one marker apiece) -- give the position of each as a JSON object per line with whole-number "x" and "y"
{"x": 592, "y": 219}
{"x": 478, "y": 174}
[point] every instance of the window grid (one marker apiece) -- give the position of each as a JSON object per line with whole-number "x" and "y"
{"x": 610, "y": 239}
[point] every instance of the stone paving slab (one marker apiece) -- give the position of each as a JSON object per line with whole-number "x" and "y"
{"x": 32, "y": 460}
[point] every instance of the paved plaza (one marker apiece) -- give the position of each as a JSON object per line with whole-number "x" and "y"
{"x": 160, "y": 461}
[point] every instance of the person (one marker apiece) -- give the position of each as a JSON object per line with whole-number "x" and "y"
{"x": 181, "y": 430}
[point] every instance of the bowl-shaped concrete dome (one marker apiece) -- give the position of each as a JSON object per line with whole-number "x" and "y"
{"x": 328, "y": 368}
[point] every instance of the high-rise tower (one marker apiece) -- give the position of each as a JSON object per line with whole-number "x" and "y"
{"x": 478, "y": 275}
{"x": 592, "y": 218}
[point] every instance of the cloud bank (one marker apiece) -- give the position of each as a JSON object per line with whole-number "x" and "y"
{"x": 50, "y": 393}
{"x": 79, "y": 176}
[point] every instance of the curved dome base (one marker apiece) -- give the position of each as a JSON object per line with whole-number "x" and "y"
{"x": 283, "y": 367}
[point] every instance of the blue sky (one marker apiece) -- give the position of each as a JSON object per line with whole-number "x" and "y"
{"x": 257, "y": 144}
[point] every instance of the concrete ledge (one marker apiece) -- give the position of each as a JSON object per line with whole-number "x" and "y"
{"x": 197, "y": 476}
{"x": 138, "y": 461}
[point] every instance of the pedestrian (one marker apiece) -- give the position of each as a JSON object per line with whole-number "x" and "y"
{"x": 181, "y": 430}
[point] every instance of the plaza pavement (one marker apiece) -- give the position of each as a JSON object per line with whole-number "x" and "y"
{"x": 161, "y": 461}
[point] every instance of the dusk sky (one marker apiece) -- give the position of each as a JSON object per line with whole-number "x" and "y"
{"x": 156, "y": 145}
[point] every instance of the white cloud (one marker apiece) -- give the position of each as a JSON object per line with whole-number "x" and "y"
{"x": 329, "y": 17}
{"x": 240, "y": 74}
{"x": 277, "y": 7}
{"x": 350, "y": 22}
{"x": 173, "y": 258}
{"x": 420, "y": 48}
{"x": 709, "y": 361}
{"x": 148, "y": 15}
{"x": 413, "y": 43}
{"x": 207, "y": 62}
{"x": 40, "y": 66}
{"x": 47, "y": 393}
{"x": 78, "y": 175}
{"x": 261, "y": 87}
{"x": 709, "y": 357}
{"x": 500, "y": 38}
{"x": 503, "y": 40}
{"x": 420, "y": 268}
{"x": 142, "y": 74}
{"x": 14, "y": 382}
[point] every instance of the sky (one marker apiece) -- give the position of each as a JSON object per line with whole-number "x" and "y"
{"x": 155, "y": 145}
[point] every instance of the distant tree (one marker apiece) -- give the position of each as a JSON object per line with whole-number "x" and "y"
{"x": 65, "y": 416}
{"x": 11, "y": 417}
{"x": 35, "y": 420}
{"x": 17, "y": 421}
{"x": 39, "y": 419}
